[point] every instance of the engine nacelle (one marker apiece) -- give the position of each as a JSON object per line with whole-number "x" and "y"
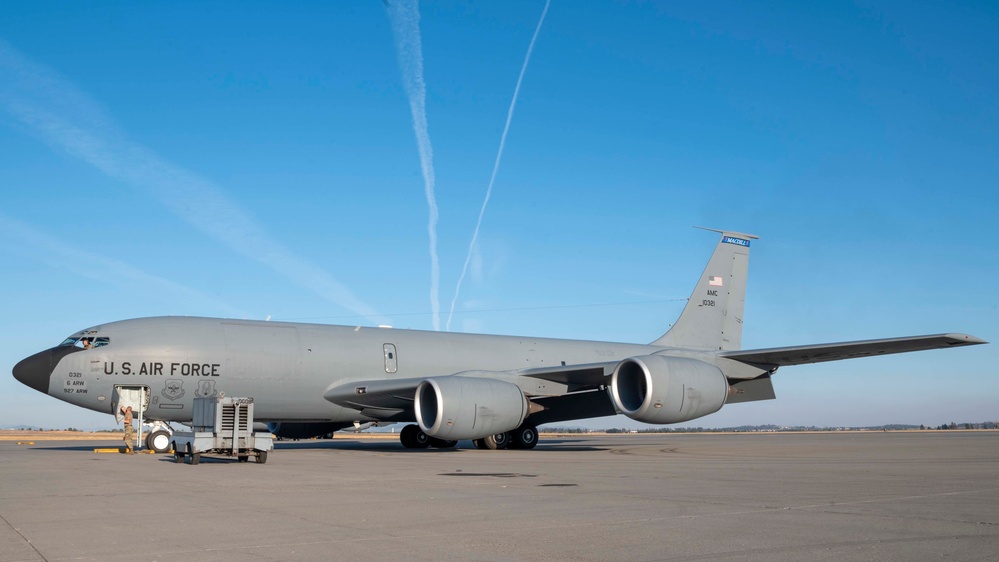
{"x": 457, "y": 407}
{"x": 658, "y": 389}
{"x": 303, "y": 430}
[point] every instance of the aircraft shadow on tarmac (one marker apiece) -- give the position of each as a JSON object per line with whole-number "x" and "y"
{"x": 214, "y": 459}
{"x": 549, "y": 445}
{"x": 81, "y": 448}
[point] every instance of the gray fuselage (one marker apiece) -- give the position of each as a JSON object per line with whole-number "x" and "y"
{"x": 287, "y": 367}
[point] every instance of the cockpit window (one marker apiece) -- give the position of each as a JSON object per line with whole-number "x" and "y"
{"x": 85, "y": 342}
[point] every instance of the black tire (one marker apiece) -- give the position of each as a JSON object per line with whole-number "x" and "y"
{"x": 178, "y": 457}
{"x": 524, "y": 437}
{"x": 261, "y": 457}
{"x": 406, "y": 436}
{"x": 158, "y": 441}
{"x": 479, "y": 444}
{"x": 420, "y": 440}
{"x": 498, "y": 441}
{"x": 412, "y": 437}
{"x": 442, "y": 443}
{"x": 195, "y": 457}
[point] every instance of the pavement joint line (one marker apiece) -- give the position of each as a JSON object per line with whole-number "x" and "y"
{"x": 24, "y": 538}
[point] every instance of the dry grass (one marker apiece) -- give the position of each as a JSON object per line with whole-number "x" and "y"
{"x": 25, "y": 435}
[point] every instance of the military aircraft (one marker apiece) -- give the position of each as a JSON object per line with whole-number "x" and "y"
{"x": 309, "y": 380}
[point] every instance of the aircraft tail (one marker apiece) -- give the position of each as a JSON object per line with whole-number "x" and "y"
{"x": 712, "y": 318}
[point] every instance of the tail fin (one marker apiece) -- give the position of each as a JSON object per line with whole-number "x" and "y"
{"x": 712, "y": 318}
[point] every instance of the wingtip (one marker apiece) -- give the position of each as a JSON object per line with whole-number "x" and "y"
{"x": 965, "y": 339}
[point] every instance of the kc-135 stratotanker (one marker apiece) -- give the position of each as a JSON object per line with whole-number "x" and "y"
{"x": 308, "y": 380}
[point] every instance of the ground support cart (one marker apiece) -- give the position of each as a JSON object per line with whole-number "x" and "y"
{"x": 222, "y": 426}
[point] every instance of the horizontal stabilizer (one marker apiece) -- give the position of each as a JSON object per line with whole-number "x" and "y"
{"x": 802, "y": 354}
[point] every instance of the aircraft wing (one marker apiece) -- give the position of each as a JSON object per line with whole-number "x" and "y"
{"x": 385, "y": 398}
{"x": 801, "y": 354}
{"x": 388, "y": 398}
{"x": 381, "y": 398}
{"x": 577, "y": 377}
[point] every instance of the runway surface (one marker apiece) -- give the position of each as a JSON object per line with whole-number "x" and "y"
{"x": 827, "y": 496}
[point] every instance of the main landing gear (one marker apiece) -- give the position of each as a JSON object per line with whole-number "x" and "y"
{"x": 412, "y": 437}
{"x": 524, "y": 437}
{"x": 158, "y": 441}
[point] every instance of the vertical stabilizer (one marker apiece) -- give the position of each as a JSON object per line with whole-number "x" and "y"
{"x": 712, "y": 318}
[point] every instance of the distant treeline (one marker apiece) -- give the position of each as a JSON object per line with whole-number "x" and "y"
{"x": 774, "y": 428}
{"x": 29, "y": 428}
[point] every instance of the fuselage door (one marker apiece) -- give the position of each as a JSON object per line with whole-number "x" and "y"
{"x": 391, "y": 359}
{"x": 135, "y": 396}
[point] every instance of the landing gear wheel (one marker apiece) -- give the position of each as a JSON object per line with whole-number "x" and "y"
{"x": 442, "y": 443}
{"x": 524, "y": 437}
{"x": 422, "y": 440}
{"x": 412, "y": 437}
{"x": 158, "y": 441}
{"x": 406, "y": 436}
{"x": 261, "y": 457}
{"x": 498, "y": 441}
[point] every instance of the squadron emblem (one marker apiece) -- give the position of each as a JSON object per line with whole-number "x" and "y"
{"x": 173, "y": 390}
{"x": 206, "y": 388}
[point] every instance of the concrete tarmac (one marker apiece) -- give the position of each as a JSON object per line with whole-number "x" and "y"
{"x": 825, "y": 496}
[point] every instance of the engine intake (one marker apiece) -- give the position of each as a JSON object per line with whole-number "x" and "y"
{"x": 659, "y": 389}
{"x": 456, "y": 407}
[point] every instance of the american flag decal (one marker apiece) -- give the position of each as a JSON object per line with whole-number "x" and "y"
{"x": 715, "y": 281}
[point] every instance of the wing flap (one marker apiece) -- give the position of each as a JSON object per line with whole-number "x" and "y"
{"x": 802, "y": 354}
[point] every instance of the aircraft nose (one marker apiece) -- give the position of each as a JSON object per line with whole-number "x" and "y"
{"x": 36, "y": 370}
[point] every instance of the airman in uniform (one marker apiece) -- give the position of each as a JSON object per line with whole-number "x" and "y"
{"x": 129, "y": 431}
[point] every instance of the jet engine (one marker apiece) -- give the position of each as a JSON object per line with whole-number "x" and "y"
{"x": 303, "y": 430}
{"x": 659, "y": 389}
{"x": 456, "y": 407}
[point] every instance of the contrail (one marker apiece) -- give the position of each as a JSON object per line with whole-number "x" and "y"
{"x": 67, "y": 119}
{"x": 405, "y": 16}
{"x": 499, "y": 156}
{"x": 68, "y": 254}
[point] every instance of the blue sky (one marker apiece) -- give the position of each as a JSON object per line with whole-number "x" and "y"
{"x": 262, "y": 160}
